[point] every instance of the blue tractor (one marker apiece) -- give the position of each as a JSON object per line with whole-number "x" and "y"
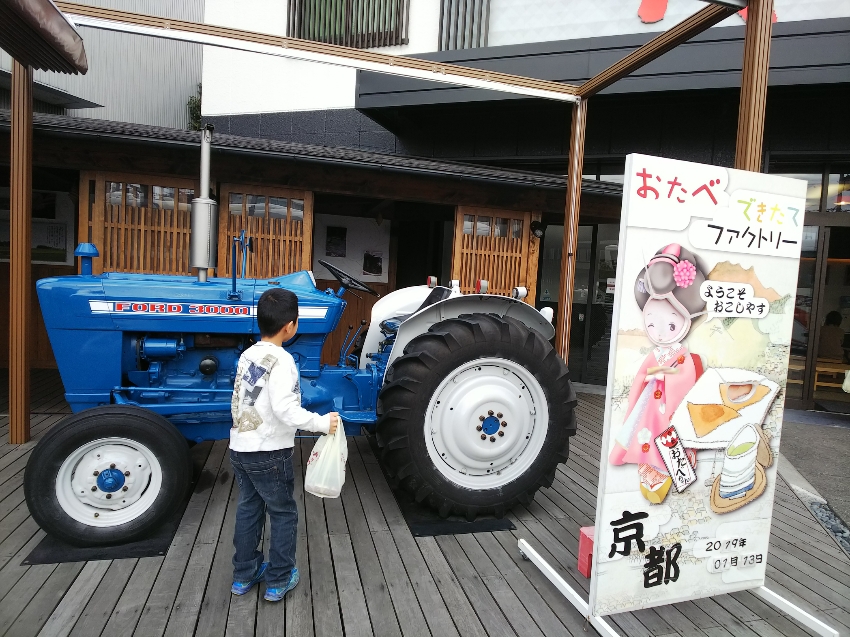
{"x": 470, "y": 404}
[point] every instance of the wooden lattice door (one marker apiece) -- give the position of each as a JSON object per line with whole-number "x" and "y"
{"x": 280, "y": 222}
{"x": 139, "y": 223}
{"x": 497, "y": 246}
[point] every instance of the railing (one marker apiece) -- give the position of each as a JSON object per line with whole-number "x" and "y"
{"x": 463, "y": 24}
{"x": 361, "y": 24}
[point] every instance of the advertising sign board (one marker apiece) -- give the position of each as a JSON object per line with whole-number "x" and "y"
{"x": 701, "y": 338}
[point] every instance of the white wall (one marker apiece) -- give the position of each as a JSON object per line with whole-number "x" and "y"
{"x": 362, "y": 234}
{"x": 237, "y": 82}
{"x": 525, "y": 21}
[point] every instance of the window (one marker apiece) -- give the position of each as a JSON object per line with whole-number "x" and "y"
{"x": 360, "y": 24}
{"x": 813, "y": 190}
{"x": 463, "y": 24}
{"x": 838, "y": 193}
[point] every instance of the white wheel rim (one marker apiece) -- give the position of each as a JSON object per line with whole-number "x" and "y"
{"x": 90, "y": 485}
{"x": 486, "y": 388}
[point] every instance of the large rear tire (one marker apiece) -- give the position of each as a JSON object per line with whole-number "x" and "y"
{"x": 476, "y": 415}
{"x": 107, "y": 475}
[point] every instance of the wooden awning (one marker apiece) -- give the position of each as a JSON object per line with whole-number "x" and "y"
{"x": 37, "y": 34}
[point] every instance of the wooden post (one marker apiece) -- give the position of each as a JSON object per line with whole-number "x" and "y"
{"x": 19, "y": 254}
{"x": 748, "y": 151}
{"x": 575, "y": 168}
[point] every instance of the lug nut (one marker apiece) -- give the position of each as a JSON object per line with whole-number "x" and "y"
{"x": 95, "y": 473}
{"x": 492, "y": 439}
{"x": 490, "y": 413}
{"x": 108, "y": 496}
{"x": 478, "y": 428}
{"x": 125, "y": 488}
{"x": 97, "y": 515}
{"x": 483, "y": 436}
{"x": 481, "y": 418}
{"x": 499, "y": 415}
{"x": 126, "y": 473}
{"x": 94, "y": 488}
{"x": 501, "y": 433}
{"x": 504, "y": 424}
{"x": 112, "y": 466}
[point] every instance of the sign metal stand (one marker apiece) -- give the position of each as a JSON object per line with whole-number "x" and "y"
{"x": 605, "y": 629}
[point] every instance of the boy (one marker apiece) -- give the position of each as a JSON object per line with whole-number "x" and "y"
{"x": 266, "y": 409}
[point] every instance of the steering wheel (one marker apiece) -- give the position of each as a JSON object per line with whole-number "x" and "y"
{"x": 346, "y": 280}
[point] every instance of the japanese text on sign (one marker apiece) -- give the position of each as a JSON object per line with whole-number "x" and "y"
{"x": 736, "y": 300}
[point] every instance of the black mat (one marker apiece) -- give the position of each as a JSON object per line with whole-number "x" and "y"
{"x": 423, "y": 521}
{"x": 52, "y": 550}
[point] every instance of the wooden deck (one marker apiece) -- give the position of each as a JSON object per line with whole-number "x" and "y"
{"x": 363, "y": 573}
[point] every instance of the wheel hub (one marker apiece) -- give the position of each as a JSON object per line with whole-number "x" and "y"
{"x": 486, "y": 423}
{"x": 110, "y": 480}
{"x": 490, "y": 425}
{"x": 111, "y": 476}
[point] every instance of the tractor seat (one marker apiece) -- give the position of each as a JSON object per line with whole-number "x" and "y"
{"x": 390, "y": 326}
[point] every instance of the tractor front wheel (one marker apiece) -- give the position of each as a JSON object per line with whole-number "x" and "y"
{"x": 476, "y": 415}
{"x": 107, "y": 475}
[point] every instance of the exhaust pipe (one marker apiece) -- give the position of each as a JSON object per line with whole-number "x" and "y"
{"x": 203, "y": 244}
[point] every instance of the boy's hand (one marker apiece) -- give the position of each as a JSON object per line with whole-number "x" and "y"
{"x": 335, "y": 422}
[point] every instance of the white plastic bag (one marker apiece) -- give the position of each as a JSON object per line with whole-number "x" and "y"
{"x": 326, "y": 466}
{"x": 846, "y": 384}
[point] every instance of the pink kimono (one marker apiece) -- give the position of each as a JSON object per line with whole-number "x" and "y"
{"x": 651, "y": 405}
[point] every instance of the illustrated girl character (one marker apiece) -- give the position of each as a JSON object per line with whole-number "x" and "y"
{"x": 651, "y": 11}
{"x": 667, "y": 291}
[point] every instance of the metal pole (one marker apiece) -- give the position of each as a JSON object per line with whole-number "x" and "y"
{"x": 748, "y": 151}
{"x": 20, "y": 273}
{"x": 206, "y": 141}
{"x": 571, "y": 215}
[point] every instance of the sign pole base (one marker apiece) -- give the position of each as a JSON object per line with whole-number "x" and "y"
{"x": 782, "y": 604}
{"x": 603, "y": 627}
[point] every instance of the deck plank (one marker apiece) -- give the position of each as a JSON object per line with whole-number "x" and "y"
{"x": 128, "y": 609}
{"x": 378, "y": 602}
{"x": 38, "y": 608}
{"x": 64, "y": 617}
{"x": 160, "y": 602}
{"x": 299, "y": 602}
{"x": 187, "y": 604}
{"x": 212, "y": 619}
{"x": 432, "y": 603}
{"x": 326, "y": 612}
{"x": 355, "y": 614}
{"x": 488, "y": 611}
{"x": 98, "y": 608}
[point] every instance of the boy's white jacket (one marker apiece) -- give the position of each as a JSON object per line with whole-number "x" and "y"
{"x": 266, "y": 405}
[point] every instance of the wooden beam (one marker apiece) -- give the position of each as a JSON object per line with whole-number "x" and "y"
{"x": 20, "y": 221}
{"x": 571, "y": 217}
{"x": 682, "y": 32}
{"x": 268, "y": 44}
{"x": 748, "y": 150}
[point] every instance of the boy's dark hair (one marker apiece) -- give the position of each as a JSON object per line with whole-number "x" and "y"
{"x": 275, "y": 309}
{"x": 833, "y": 318}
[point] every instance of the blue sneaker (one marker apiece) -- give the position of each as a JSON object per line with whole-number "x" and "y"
{"x": 276, "y": 594}
{"x": 240, "y": 588}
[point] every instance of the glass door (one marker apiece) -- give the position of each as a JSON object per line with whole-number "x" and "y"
{"x": 600, "y": 305}
{"x": 805, "y": 317}
{"x": 549, "y": 287}
{"x": 593, "y": 300}
{"x": 829, "y": 361}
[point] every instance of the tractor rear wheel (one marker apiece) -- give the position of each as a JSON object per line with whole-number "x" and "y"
{"x": 107, "y": 475}
{"x": 476, "y": 415}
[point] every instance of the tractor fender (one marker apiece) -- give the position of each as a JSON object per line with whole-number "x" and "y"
{"x": 453, "y": 307}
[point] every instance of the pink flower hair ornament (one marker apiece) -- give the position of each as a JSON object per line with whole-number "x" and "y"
{"x": 684, "y": 273}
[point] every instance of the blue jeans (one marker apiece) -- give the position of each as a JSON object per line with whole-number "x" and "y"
{"x": 266, "y": 482}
